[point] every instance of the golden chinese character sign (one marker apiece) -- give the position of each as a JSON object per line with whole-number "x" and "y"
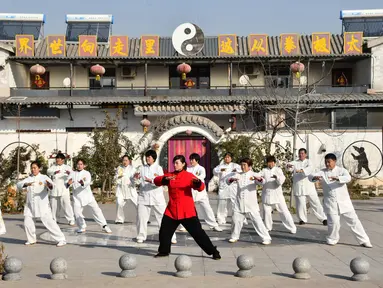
{"x": 353, "y": 42}
{"x": 56, "y": 45}
{"x": 150, "y": 46}
{"x": 87, "y": 46}
{"x": 258, "y": 45}
{"x": 25, "y": 46}
{"x": 320, "y": 43}
{"x": 119, "y": 46}
{"x": 289, "y": 44}
{"x": 227, "y": 45}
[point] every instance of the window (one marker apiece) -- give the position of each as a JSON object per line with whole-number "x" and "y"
{"x": 351, "y": 118}
{"x": 199, "y": 76}
{"x": 341, "y": 77}
{"x": 375, "y": 118}
{"x": 277, "y": 76}
{"x": 40, "y": 82}
{"x": 311, "y": 120}
{"x": 107, "y": 81}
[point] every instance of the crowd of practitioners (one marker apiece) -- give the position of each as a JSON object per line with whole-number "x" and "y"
{"x": 237, "y": 187}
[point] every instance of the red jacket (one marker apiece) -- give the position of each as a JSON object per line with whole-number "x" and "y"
{"x": 181, "y": 203}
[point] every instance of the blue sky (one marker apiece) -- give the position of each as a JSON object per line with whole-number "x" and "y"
{"x": 241, "y": 17}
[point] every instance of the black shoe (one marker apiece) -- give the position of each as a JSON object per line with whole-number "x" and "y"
{"x": 301, "y": 223}
{"x": 118, "y": 223}
{"x": 324, "y": 222}
{"x": 216, "y": 255}
{"x": 159, "y": 255}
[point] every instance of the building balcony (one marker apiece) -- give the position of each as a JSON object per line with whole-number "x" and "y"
{"x": 166, "y": 92}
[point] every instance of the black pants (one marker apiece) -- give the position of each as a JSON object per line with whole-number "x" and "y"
{"x": 192, "y": 225}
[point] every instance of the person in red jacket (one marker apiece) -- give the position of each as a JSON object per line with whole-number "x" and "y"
{"x": 181, "y": 209}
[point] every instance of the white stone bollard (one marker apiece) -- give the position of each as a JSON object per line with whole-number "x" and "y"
{"x": 301, "y": 267}
{"x": 128, "y": 264}
{"x": 12, "y": 267}
{"x": 58, "y": 268}
{"x": 245, "y": 263}
{"x": 183, "y": 266}
{"x": 360, "y": 268}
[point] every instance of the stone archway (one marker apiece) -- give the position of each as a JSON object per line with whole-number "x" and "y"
{"x": 178, "y": 124}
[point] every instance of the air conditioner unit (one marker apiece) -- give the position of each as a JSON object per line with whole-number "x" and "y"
{"x": 128, "y": 71}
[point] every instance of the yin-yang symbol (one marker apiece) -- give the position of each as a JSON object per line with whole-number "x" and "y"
{"x": 188, "y": 39}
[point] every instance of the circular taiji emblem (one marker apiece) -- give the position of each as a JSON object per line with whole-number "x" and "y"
{"x": 363, "y": 159}
{"x": 188, "y": 39}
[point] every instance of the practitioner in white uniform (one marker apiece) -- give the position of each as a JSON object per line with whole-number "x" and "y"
{"x": 60, "y": 195}
{"x": 272, "y": 196}
{"x": 225, "y": 191}
{"x": 202, "y": 198}
{"x": 246, "y": 202}
{"x": 37, "y": 206}
{"x": 83, "y": 196}
{"x": 337, "y": 202}
{"x": 304, "y": 189}
{"x": 150, "y": 196}
{"x": 126, "y": 188}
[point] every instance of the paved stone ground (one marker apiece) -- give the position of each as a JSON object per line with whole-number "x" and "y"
{"x": 93, "y": 257}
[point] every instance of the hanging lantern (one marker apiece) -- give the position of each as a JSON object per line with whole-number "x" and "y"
{"x": 156, "y": 146}
{"x": 38, "y": 70}
{"x": 145, "y": 123}
{"x": 297, "y": 68}
{"x": 97, "y": 70}
{"x": 189, "y": 132}
{"x": 183, "y": 69}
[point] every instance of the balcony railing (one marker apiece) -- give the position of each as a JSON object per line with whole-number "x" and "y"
{"x": 165, "y": 91}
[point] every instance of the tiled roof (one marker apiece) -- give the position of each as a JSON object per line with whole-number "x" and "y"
{"x": 210, "y": 49}
{"x": 190, "y": 109}
{"x": 201, "y": 100}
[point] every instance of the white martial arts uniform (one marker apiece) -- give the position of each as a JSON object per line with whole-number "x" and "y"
{"x": 202, "y": 198}
{"x": 150, "y": 196}
{"x": 225, "y": 192}
{"x": 126, "y": 190}
{"x": 303, "y": 189}
{"x": 272, "y": 195}
{"x": 37, "y": 206}
{"x": 82, "y": 197}
{"x": 246, "y": 205}
{"x": 60, "y": 195}
{"x": 2, "y": 225}
{"x": 337, "y": 202}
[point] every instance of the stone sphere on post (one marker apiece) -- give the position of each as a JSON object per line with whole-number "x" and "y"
{"x": 245, "y": 263}
{"x": 301, "y": 267}
{"x": 183, "y": 266}
{"x": 58, "y": 268}
{"x": 128, "y": 264}
{"x": 12, "y": 268}
{"x": 360, "y": 268}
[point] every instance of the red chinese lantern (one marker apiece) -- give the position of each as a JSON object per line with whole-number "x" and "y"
{"x": 38, "y": 70}
{"x": 145, "y": 123}
{"x": 297, "y": 68}
{"x": 97, "y": 70}
{"x": 156, "y": 146}
{"x": 189, "y": 132}
{"x": 183, "y": 69}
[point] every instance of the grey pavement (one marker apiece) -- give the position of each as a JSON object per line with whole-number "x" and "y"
{"x": 93, "y": 257}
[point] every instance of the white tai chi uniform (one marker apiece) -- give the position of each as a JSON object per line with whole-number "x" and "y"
{"x": 303, "y": 188}
{"x": 126, "y": 190}
{"x": 246, "y": 205}
{"x": 225, "y": 192}
{"x": 60, "y": 195}
{"x": 2, "y": 225}
{"x": 150, "y": 196}
{"x": 37, "y": 206}
{"x": 337, "y": 202}
{"x": 272, "y": 195}
{"x": 82, "y": 197}
{"x": 202, "y": 198}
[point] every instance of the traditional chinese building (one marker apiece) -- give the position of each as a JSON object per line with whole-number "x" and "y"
{"x": 55, "y": 88}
